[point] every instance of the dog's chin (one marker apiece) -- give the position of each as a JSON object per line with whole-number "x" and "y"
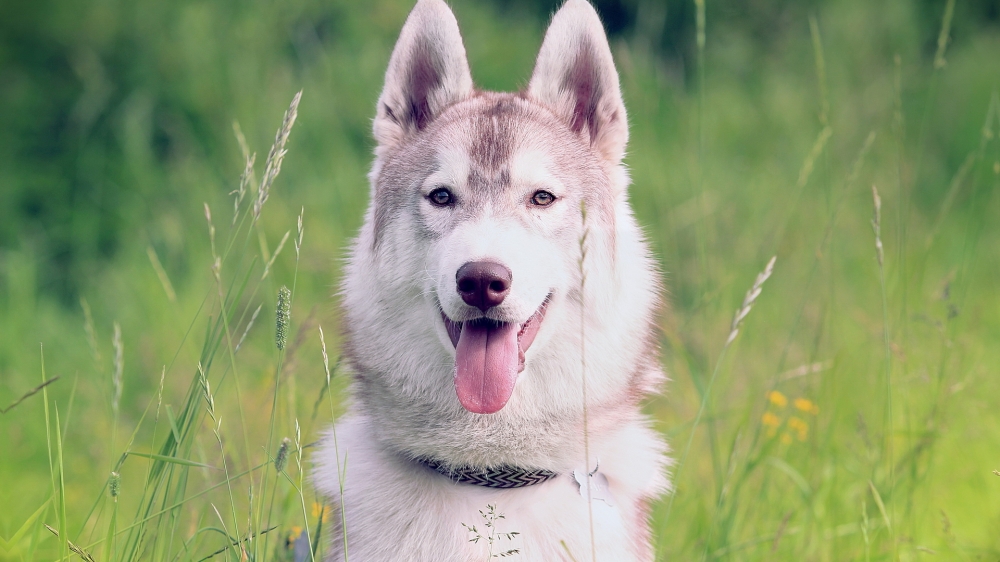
{"x": 488, "y": 357}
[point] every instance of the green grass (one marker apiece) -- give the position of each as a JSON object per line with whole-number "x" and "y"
{"x": 765, "y": 147}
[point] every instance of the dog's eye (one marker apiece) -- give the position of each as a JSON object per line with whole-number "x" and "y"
{"x": 543, "y": 198}
{"x": 441, "y": 197}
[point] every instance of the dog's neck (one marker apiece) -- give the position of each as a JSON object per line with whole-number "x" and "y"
{"x": 454, "y": 437}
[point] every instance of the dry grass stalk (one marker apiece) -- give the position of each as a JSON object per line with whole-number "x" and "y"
{"x": 824, "y": 110}
{"x": 734, "y": 330}
{"x": 326, "y": 357}
{"x": 217, "y": 430}
{"x": 159, "y": 391}
{"x": 877, "y": 229}
{"x": 300, "y": 488}
{"x": 247, "y": 177}
{"x": 749, "y": 299}
{"x": 79, "y": 551}
{"x": 810, "y": 162}
{"x": 88, "y": 327}
{"x": 28, "y": 394}
{"x": 119, "y": 368}
{"x": 583, "y": 371}
{"x": 161, "y": 274}
{"x": 806, "y": 369}
{"x": 206, "y": 390}
{"x": 877, "y": 225}
{"x": 247, "y": 330}
{"x": 211, "y": 227}
{"x": 216, "y": 260}
{"x": 341, "y": 470}
{"x": 298, "y": 240}
{"x": 274, "y": 256}
{"x": 272, "y": 166}
{"x": 944, "y": 37}
{"x": 290, "y": 363}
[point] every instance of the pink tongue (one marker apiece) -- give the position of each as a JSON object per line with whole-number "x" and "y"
{"x": 486, "y": 366}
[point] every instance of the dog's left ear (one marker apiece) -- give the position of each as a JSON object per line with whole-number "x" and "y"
{"x": 575, "y": 77}
{"x": 428, "y": 71}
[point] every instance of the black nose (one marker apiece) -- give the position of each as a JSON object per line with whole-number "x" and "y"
{"x": 483, "y": 284}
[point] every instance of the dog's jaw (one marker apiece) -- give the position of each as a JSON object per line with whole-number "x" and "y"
{"x": 489, "y": 355}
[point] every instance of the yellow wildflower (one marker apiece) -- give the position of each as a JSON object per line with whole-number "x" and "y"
{"x": 771, "y": 421}
{"x": 318, "y": 508}
{"x": 777, "y": 399}
{"x": 786, "y": 439}
{"x": 806, "y": 405}
{"x": 799, "y": 426}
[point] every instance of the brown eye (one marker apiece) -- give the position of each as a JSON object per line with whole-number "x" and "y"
{"x": 543, "y": 198}
{"x": 441, "y": 197}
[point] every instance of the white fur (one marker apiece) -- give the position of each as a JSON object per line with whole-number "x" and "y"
{"x": 493, "y": 151}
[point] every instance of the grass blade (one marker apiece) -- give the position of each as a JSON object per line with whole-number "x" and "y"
{"x": 173, "y": 460}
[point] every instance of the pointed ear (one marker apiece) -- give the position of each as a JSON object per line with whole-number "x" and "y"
{"x": 427, "y": 72}
{"x": 575, "y": 77}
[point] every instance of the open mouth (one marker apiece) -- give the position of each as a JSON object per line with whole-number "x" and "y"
{"x": 488, "y": 357}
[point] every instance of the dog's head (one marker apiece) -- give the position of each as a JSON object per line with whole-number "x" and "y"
{"x": 468, "y": 284}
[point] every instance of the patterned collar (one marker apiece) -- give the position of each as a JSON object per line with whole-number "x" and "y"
{"x": 494, "y": 477}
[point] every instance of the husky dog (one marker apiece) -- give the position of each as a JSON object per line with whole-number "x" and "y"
{"x": 498, "y": 300}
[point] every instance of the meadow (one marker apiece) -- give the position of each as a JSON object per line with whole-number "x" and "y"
{"x": 153, "y": 385}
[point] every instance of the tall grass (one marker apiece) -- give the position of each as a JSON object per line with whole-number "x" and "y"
{"x": 164, "y": 506}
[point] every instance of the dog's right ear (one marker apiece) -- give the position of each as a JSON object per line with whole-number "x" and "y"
{"x": 427, "y": 72}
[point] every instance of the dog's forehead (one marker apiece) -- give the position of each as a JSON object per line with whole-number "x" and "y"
{"x": 493, "y": 132}
{"x": 491, "y": 147}
{"x": 504, "y": 138}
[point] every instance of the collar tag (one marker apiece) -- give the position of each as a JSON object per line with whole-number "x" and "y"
{"x": 599, "y": 488}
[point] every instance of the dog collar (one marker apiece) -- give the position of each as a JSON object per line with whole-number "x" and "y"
{"x": 494, "y": 477}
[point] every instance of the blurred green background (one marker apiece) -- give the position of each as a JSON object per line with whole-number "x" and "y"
{"x": 117, "y": 123}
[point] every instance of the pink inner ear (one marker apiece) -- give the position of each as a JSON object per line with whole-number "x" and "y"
{"x": 584, "y": 84}
{"x": 575, "y": 77}
{"x": 423, "y": 78}
{"x": 428, "y": 71}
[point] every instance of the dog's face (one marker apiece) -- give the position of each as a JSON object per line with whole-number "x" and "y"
{"x": 466, "y": 283}
{"x": 494, "y": 209}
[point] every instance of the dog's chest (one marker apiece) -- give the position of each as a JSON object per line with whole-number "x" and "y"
{"x": 540, "y": 522}
{"x": 398, "y": 510}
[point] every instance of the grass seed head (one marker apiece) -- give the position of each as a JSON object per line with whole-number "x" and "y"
{"x": 272, "y": 166}
{"x": 246, "y": 178}
{"x": 326, "y": 357}
{"x": 749, "y": 299}
{"x": 281, "y": 459}
{"x": 115, "y": 484}
{"x": 206, "y": 390}
{"x": 283, "y": 316}
{"x": 298, "y": 240}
